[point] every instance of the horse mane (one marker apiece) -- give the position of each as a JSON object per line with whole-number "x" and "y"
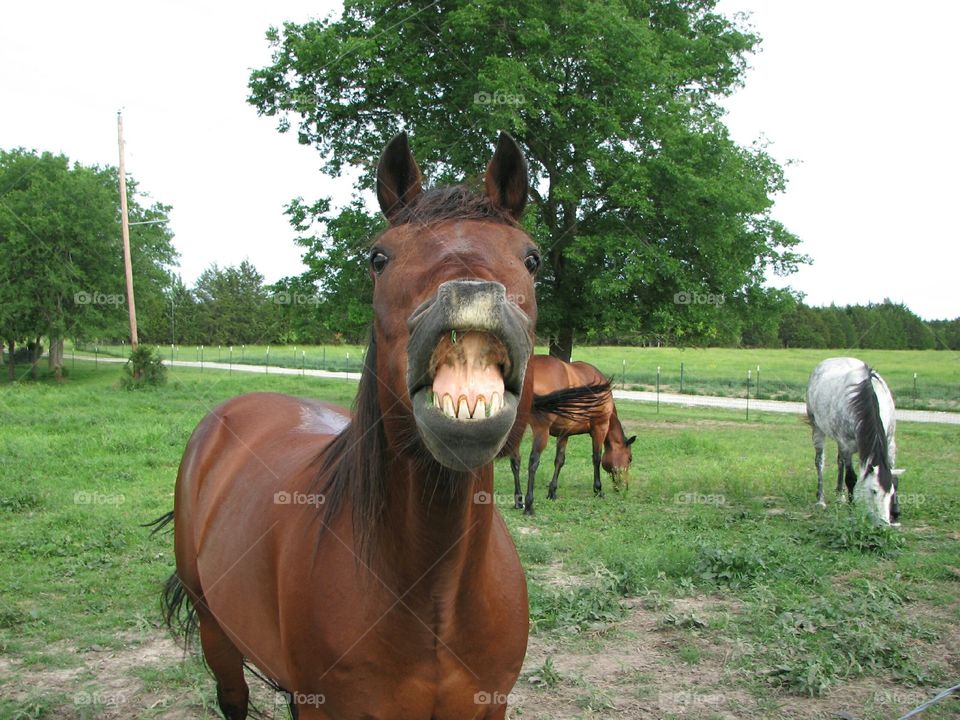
{"x": 577, "y": 403}
{"x": 353, "y": 463}
{"x": 456, "y": 202}
{"x": 872, "y": 444}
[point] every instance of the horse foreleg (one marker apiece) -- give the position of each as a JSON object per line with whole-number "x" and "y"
{"x": 851, "y": 478}
{"x": 841, "y": 465}
{"x": 597, "y": 435}
{"x": 818, "y": 461}
{"x": 557, "y": 464}
{"x": 540, "y": 438}
{"x": 226, "y": 664}
{"x": 515, "y": 469}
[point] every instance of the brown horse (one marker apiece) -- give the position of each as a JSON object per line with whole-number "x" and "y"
{"x": 572, "y": 399}
{"x": 357, "y": 563}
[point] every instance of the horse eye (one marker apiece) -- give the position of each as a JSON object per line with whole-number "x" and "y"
{"x": 532, "y": 261}
{"x": 378, "y": 261}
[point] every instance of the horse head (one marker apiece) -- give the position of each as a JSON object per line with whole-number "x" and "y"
{"x": 454, "y": 308}
{"x": 616, "y": 460}
{"x": 877, "y": 489}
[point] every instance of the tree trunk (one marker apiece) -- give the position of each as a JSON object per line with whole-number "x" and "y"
{"x": 35, "y": 351}
{"x": 11, "y": 364}
{"x": 561, "y": 345}
{"x": 55, "y": 358}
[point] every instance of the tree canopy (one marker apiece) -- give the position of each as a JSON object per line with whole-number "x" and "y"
{"x": 639, "y": 193}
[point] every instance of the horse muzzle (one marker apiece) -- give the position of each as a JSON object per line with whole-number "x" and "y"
{"x": 466, "y": 358}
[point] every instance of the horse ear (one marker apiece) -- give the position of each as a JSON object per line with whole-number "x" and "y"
{"x": 506, "y": 180}
{"x": 398, "y": 177}
{"x": 631, "y": 439}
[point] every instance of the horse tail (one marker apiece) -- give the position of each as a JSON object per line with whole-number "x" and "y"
{"x": 576, "y": 403}
{"x": 160, "y": 523}
{"x": 179, "y": 614}
{"x": 176, "y": 607}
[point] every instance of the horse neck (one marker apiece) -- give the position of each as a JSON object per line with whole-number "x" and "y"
{"x": 436, "y": 523}
{"x": 615, "y": 432}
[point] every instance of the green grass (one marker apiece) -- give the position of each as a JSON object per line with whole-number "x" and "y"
{"x": 717, "y": 507}
{"x": 706, "y": 371}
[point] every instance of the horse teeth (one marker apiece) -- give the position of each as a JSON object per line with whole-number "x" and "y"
{"x": 436, "y": 401}
{"x": 448, "y": 406}
{"x": 496, "y": 404}
{"x": 463, "y": 410}
{"x": 480, "y": 410}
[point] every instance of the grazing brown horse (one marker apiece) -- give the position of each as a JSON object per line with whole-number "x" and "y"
{"x": 357, "y": 563}
{"x": 572, "y": 399}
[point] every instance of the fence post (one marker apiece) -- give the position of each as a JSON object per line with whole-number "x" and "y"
{"x": 303, "y": 363}
{"x": 748, "y": 394}
{"x": 266, "y": 368}
{"x": 658, "y": 389}
{"x": 681, "y": 377}
{"x": 757, "y": 394}
{"x": 230, "y": 370}
{"x": 914, "y": 391}
{"x": 623, "y": 376}
{"x": 201, "y": 358}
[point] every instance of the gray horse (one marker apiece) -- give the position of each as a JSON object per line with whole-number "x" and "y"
{"x": 851, "y": 403}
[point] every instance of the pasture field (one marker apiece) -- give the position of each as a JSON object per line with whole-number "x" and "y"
{"x": 710, "y": 589}
{"x": 707, "y": 371}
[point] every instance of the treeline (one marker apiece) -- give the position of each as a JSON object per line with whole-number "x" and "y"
{"x": 882, "y": 326}
{"x": 233, "y": 305}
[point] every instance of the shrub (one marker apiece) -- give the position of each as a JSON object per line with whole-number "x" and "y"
{"x": 143, "y": 368}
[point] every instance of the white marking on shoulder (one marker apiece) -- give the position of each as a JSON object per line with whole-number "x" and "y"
{"x": 321, "y": 421}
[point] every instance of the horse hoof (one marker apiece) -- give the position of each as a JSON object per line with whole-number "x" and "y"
{"x": 821, "y": 504}
{"x": 518, "y": 505}
{"x": 528, "y": 511}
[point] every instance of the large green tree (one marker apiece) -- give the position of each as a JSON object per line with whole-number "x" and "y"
{"x": 61, "y": 261}
{"x": 233, "y": 306}
{"x": 639, "y": 193}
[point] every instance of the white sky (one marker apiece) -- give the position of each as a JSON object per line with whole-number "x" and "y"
{"x": 861, "y": 94}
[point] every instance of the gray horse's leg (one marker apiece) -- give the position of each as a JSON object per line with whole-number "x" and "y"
{"x": 851, "y": 477}
{"x": 841, "y": 466}
{"x": 818, "y": 439}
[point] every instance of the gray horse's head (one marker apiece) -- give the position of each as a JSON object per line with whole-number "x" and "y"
{"x": 877, "y": 490}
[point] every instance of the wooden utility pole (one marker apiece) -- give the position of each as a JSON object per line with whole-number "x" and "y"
{"x": 125, "y": 231}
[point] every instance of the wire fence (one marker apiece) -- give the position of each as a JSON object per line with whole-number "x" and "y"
{"x": 755, "y": 391}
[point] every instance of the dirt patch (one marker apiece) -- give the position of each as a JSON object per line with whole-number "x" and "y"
{"x": 663, "y": 659}
{"x": 634, "y": 669}
{"x": 658, "y": 663}
{"x": 106, "y": 684}
{"x": 103, "y": 684}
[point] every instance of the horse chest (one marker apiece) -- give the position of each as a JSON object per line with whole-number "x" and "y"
{"x": 408, "y": 660}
